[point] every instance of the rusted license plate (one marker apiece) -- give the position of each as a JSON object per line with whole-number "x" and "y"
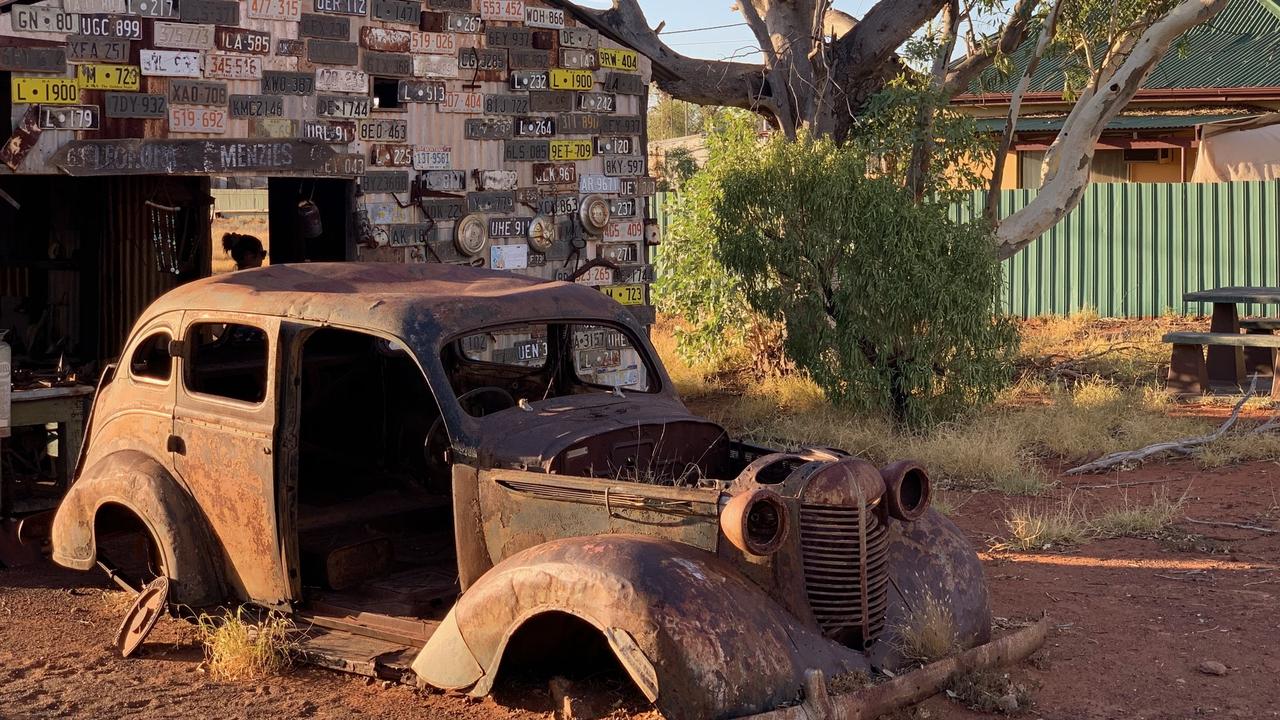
{"x": 195, "y": 119}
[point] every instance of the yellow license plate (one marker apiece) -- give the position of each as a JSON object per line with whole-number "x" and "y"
{"x": 50, "y": 91}
{"x": 570, "y": 150}
{"x": 562, "y": 79}
{"x": 618, "y": 59}
{"x": 108, "y": 77}
{"x": 626, "y": 294}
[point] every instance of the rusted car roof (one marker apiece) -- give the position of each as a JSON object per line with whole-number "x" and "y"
{"x": 424, "y": 304}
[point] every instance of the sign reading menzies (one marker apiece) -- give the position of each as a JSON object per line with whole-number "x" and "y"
{"x": 156, "y": 157}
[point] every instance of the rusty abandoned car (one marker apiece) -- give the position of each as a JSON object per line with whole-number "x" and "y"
{"x": 439, "y": 470}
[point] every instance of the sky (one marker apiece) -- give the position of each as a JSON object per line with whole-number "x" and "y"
{"x": 715, "y": 44}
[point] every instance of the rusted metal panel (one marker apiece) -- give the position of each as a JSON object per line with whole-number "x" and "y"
{"x": 385, "y": 39}
{"x": 24, "y": 137}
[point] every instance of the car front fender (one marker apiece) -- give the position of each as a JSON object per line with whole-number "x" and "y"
{"x": 698, "y": 638}
{"x": 139, "y": 483}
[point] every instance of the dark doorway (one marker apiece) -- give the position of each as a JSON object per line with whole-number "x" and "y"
{"x": 292, "y": 232}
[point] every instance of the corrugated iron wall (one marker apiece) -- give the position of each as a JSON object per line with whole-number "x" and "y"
{"x": 128, "y": 275}
{"x": 1133, "y": 249}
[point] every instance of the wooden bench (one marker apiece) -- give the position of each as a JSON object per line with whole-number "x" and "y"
{"x": 1187, "y": 370}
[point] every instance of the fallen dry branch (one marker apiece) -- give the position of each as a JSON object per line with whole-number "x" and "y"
{"x": 1240, "y": 526}
{"x": 1110, "y": 486}
{"x": 1132, "y": 458}
{"x": 1053, "y": 367}
{"x": 911, "y": 687}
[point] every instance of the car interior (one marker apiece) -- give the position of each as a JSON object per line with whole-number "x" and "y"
{"x": 375, "y": 531}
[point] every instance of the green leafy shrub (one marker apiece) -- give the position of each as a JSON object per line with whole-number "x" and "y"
{"x": 887, "y": 304}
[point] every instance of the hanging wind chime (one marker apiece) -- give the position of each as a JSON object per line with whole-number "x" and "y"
{"x": 162, "y": 221}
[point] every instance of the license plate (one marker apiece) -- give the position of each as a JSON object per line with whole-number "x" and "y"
{"x": 384, "y": 40}
{"x": 232, "y": 67}
{"x": 387, "y": 131}
{"x": 463, "y": 23}
{"x": 240, "y": 40}
{"x": 615, "y": 146}
{"x": 508, "y": 37}
{"x": 153, "y": 8}
{"x": 135, "y": 105}
{"x": 619, "y": 253}
{"x": 37, "y": 18}
{"x": 487, "y": 128}
{"x": 496, "y": 179}
{"x": 597, "y": 102}
{"x": 70, "y": 117}
{"x": 436, "y": 66}
{"x": 626, "y": 294}
{"x": 341, "y": 7}
{"x": 636, "y": 274}
{"x": 169, "y": 63}
{"x": 597, "y": 184}
{"x": 420, "y": 91}
{"x": 526, "y": 150}
{"x": 625, "y": 208}
{"x": 570, "y": 150}
{"x": 529, "y": 80}
{"x": 393, "y": 64}
{"x": 329, "y": 132}
{"x": 562, "y": 79}
{"x": 389, "y": 181}
{"x": 618, "y": 59}
{"x": 558, "y": 205}
{"x": 342, "y": 80}
{"x": 123, "y": 27}
{"x": 391, "y": 155}
{"x": 624, "y": 231}
{"x": 279, "y": 82}
{"x": 108, "y": 77}
{"x": 182, "y": 36}
{"x": 290, "y": 10}
{"x": 495, "y": 202}
{"x": 468, "y": 102}
{"x": 411, "y": 234}
{"x": 191, "y": 119}
{"x": 342, "y": 106}
{"x": 625, "y": 83}
{"x": 644, "y": 186}
{"x": 578, "y": 59}
{"x": 506, "y": 104}
{"x": 509, "y": 227}
{"x": 427, "y": 158}
{"x": 402, "y": 12}
{"x": 579, "y": 38}
{"x": 535, "y": 127}
{"x": 543, "y": 17}
{"x": 434, "y": 43}
{"x": 596, "y": 276}
{"x": 482, "y": 59}
{"x": 514, "y": 257}
{"x": 618, "y": 378}
{"x": 443, "y": 180}
{"x": 623, "y": 166}
{"x": 344, "y": 164}
{"x": 599, "y": 338}
{"x": 555, "y": 173}
{"x": 512, "y": 10}
{"x": 91, "y": 49}
{"x": 52, "y": 91}
{"x": 590, "y": 359}
{"x": 256, "y": 106}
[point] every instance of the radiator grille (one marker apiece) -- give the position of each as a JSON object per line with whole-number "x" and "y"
{"x": 837, "y": 550}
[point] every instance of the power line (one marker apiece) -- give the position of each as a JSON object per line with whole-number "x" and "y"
{"x": 701, "y": 29}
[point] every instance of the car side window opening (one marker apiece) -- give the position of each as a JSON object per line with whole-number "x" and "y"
{"x": 151, "y": 359}
{"x": 495, "y": 369}
{"x": 227, "y": 360}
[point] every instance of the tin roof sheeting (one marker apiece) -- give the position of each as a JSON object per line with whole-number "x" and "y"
{"x": 1238, "y": 48}
{"x": 1123, "y": 122}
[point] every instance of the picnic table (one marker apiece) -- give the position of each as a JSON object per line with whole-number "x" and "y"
{"x": 1232, "y": 356}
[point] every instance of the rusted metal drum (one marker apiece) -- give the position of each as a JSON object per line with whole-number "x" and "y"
{"x": 309, "y": 221}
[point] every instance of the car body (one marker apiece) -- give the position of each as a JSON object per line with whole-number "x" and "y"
{"x": 265, "y": 432}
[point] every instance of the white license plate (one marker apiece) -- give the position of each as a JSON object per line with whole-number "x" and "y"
{"x": 196, "y": 119}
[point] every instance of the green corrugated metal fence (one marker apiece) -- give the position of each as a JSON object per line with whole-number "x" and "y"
{"x": 1133, "y": 249}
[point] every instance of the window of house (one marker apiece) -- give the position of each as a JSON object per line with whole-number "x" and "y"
{"x": 386, "y": 93}
{"x": 151, "y": 358}
{"x": 227, "y": 360}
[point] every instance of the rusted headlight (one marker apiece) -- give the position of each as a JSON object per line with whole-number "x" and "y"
{"x": 755, "y": 521}
{"x": 907, "y": 490}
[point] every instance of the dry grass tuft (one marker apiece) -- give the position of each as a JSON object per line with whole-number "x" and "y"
{"x": 1138, "y": 520}
{"x": 236, "y": 648}
{"x": 928, "y": 632}
{"x": 848, "y": 682}
{"x": 1239, "y": 447}
{"x": 1044, "y": 527}
{"x": 990, "y": 691}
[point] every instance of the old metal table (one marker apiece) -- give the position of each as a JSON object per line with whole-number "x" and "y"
{"x": 1225, "y": 365}
{"x": 65, "y": 406}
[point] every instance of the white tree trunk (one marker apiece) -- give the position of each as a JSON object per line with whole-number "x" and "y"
{"x": 1069, "y": 157}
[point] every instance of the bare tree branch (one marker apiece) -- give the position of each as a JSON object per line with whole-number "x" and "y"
{"x": 992, "y": 209}
{"x": 1071, "y": 153}
{"x": 980, "y": 58}
{"x": 702, "y": 82}
{"x": 918, "y": 167}
{"x": 880, "y": 33}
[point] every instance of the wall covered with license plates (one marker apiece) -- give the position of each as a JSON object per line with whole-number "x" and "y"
{"x": 495, "y": 133}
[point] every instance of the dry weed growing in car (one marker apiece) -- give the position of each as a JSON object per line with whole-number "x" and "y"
{"x": 237, "y": 648}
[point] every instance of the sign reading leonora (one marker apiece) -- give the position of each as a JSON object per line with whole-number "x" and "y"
{"x": 157, "y": 157}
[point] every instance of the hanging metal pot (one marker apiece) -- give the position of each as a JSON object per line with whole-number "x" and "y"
{"x": 309, "y": 222}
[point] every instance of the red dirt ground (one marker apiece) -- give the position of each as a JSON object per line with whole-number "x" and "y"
{"x": 1133, "y": 618}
